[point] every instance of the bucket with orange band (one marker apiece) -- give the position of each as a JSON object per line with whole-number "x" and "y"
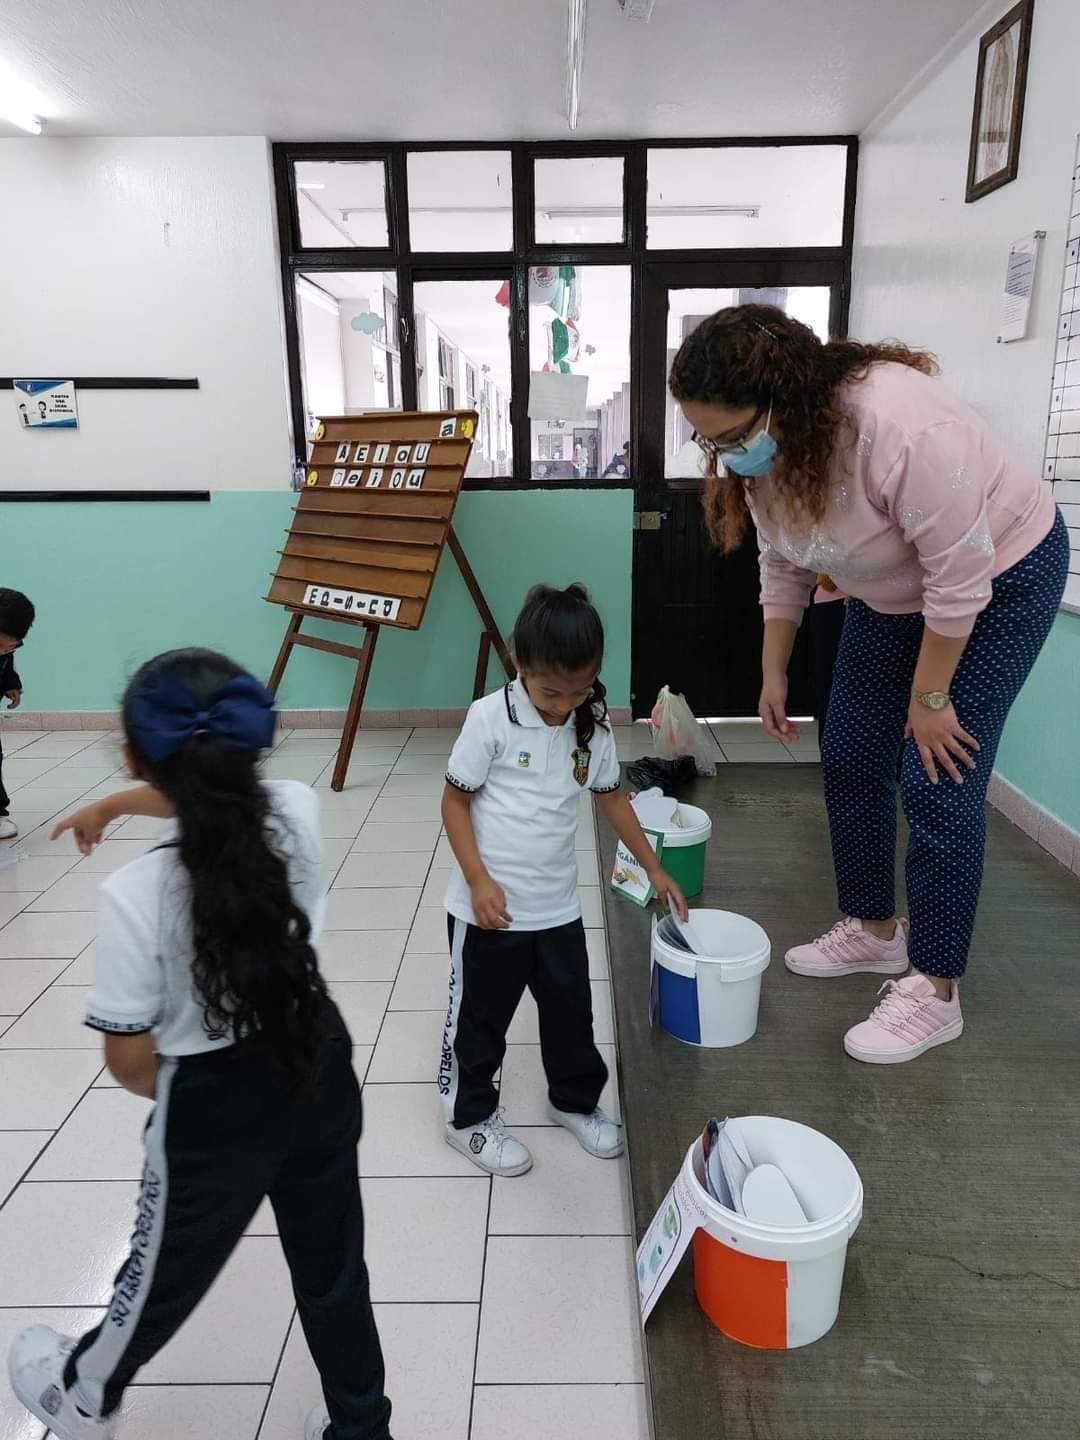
{"x": 777, "y": 1287}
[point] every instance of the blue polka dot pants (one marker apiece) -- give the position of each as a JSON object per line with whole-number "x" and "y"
{"x": 864, "y": 735}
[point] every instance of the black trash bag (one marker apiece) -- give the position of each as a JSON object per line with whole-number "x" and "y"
{"x": 647, "y": 772}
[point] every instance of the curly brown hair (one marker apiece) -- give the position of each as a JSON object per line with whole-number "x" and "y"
{"x": 755, "y": 355}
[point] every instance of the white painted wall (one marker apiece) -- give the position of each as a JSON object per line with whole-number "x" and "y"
{"x": 930, "y": 268}
{"x": 144, "y": 257}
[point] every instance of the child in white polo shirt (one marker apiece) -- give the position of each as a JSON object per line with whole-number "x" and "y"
{"x": 510, "y": 809}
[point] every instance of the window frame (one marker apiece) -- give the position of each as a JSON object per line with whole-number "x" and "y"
{"x": 411, "y": 266}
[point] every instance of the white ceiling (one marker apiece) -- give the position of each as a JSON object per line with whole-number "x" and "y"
{"x": 473, "y": 69}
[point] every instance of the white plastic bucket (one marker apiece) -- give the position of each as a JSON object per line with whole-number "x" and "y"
{"x": 777, "y": 1287}
{"x": 710, "y": 999}
{"x": 685, "y": 844}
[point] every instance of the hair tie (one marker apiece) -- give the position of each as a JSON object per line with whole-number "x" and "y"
{"x": 165, "y": 715}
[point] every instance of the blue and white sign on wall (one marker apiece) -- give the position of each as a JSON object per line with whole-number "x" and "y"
{"x": 46, "y": 404}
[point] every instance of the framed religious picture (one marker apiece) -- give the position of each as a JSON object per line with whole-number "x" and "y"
{"x": 1000, "y": 82}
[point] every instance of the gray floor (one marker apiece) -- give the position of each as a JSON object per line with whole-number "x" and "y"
{"x": 961, "y": 1308}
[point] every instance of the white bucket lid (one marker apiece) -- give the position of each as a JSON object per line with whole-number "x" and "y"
{"x": 695, "y": 829}
{"x": 738, "y": 946}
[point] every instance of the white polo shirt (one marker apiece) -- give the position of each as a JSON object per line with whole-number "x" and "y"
{"x": 143, "y": 951}
{"x": 526, "y": 778}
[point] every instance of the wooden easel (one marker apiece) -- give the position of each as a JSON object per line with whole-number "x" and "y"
{"x": 367, "y": 535}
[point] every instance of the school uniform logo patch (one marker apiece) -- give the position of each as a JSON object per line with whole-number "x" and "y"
{"x": 581, "y": 758}
{"x": 524, "y": 759}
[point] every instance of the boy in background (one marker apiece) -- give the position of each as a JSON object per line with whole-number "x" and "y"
{"x": 16, "y": 617}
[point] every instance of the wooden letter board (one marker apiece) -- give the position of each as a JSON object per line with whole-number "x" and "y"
{"x": 367, "y": 535}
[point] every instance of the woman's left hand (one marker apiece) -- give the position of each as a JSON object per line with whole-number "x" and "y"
{"x": 942, "y": 740}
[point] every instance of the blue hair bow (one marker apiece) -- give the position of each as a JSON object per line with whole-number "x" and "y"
{"x": 164, "y": 716}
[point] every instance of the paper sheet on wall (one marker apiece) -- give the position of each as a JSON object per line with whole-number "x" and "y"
{"x": 1019, "y": 284}
{"x": 46, "y": 404}
{"x": 555, "y": 396}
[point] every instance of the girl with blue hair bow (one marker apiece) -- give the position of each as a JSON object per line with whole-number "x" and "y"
{"x": 208, "y": 994}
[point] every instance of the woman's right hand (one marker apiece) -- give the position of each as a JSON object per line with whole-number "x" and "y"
{"x": 772, "y": 707}
{"x": 489, "y": 904}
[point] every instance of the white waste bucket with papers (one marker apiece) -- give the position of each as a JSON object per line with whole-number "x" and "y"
{"x": 711, "y": 998}
{"x": 777, "y": 1287}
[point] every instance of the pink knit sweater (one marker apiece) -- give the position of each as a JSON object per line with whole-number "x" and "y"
{"x": 925, "y": 510}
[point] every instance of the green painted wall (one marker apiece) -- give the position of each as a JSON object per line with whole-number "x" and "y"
{"x": 1039, "y": 749}
{"x": 115, "y": 583}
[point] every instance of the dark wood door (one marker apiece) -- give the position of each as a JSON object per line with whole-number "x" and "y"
{"x": 696, "y": 621}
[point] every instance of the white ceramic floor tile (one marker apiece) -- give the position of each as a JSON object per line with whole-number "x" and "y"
{"x": 47, "y": 937}
{"x": 404, "y": 1134}
{"x": 592, "y": 907}
{"x": 419, "y": 836}
{"x": 35, "y": 874}
{"x": 581, "y": 1321}
{"x": 22, "y": 981}
{"x": 404, "y": 809}
{"x": 435, "y": 743}
{"x": 102, "y": 1140}
{"x": 370, "y": 870}
{"x": 38, "y": 1089}
{"x": 434, "y": 896}
{"x": 429, "y": 1353}
{"x": 523, "y": 1087}
{"x": 305, "y": 768}
{"x": 62, "y": 1244}
{"x": 364, "y": 758}
{"x": 140, "y": 827}
{"x": 18, "y": 1151}
{"x": 11, "y": 902}
{"x": 361, "y": 954}
{"x": 596, "y": 943}
{"x": 421, "y": 764}
{"x": 19, "y": 771}
{"x": 409, "y": 1047}
{"x": 422, "y": 982}
{"x": 525, "y": 1026}
{"x": 412, "y": 787}
{"x": 429, "y": 934}
{"x": 551, "y": 1412}
{"x": 444, "y": 855}
{"x": 88, "y": 770}
{"x": 363, "y": 1006}
{"x": 588, "y": 868}
{"x": 445, "y": 1222}
{"x": 239, "y": 1330}
{"x": 194, "y": 1412}
{"x": 343, "y": 814}
{"x": 567, "y": 1192}
{"x": 15, "y": 1422}
{"x": 77, "y": 891}
{"x": 370, "y": 909}
{"x": 769, "y": 753}
{"x": 80, "y": 971}
{"x": 54, "y": 1022}
{"x": 360, "y": 779}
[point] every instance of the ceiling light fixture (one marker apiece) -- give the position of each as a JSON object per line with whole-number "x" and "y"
{"x": 576, "y": 212}
{"x": 310, "y": 185}
{"x": 32, "y": 124}
{"x": 575, "y": 58}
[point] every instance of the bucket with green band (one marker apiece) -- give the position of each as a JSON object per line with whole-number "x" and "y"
{"x": 684, "y": 850}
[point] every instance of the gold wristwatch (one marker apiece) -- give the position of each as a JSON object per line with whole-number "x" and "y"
{"x": 933, "y": 699}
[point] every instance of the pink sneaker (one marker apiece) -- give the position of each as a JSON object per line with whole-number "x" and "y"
{"x": 848, "y": 949}
{"x": 908, "y": 1020}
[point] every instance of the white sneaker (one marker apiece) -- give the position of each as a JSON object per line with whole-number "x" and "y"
{"x": 318, "y": 1423}
{"x": 595, "y": 1133}
{"x": 491, "y": 1146}
{"x": 8, "y": 828}
{"x": 36, "y": 1363}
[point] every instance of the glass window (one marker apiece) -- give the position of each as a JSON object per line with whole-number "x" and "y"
{"x": 686, "y": 310}
{"x": 460, "y": 200}
{"x": 349, "y": 354}
{"x": 579, "y": 202}
{"x": 463, "y": 362}
{"x": 579, "y": 325}
{"x": 341, "y": 203}
{"x": 758, "y": 196}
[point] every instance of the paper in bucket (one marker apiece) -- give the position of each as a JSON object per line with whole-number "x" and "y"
{"x": 769, "y": 1206}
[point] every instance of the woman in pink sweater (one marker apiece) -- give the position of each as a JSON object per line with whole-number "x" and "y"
{"x": 857, "y": 461}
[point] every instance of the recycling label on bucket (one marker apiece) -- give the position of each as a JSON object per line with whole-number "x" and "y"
{"x": 666, "y": 1241}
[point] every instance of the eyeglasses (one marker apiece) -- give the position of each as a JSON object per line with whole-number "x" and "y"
{"x": 713, "y": 449}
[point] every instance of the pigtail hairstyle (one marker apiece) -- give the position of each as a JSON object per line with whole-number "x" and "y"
{"x": 195, "y": 723}
{"x": 561, "y": 630}
{"x": 755, "y": 355}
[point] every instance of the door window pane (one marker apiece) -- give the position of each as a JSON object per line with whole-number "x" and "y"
{"x": 579, "y": 324}
{"x": 579, "y": 202}
{"x": 349, "y": 347}
{"x": 460, "y": 200}
{"x": 687, "y": 308}
{"x": 463, "y": 362}
{"x": 758, "y": 196}
{"x": 341, "y": 203}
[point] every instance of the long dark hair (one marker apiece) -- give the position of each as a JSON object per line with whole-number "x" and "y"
{"x": 561, "y": 630}
{"x": 254, "y": 967}
{"x": 755, "y": 355}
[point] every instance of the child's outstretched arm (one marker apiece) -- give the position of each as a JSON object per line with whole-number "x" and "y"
{"x": 619, "y": 813}
{"x": 488, "y": 897}
{"x": 90, "y": 823}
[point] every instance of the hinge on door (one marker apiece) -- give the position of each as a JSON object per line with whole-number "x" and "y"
{"x": 648, "y": 519}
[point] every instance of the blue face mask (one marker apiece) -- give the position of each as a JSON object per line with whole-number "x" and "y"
{"x": 758, "y": 456}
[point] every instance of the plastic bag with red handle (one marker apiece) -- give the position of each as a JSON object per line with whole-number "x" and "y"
{"x": 676, "y": 732}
